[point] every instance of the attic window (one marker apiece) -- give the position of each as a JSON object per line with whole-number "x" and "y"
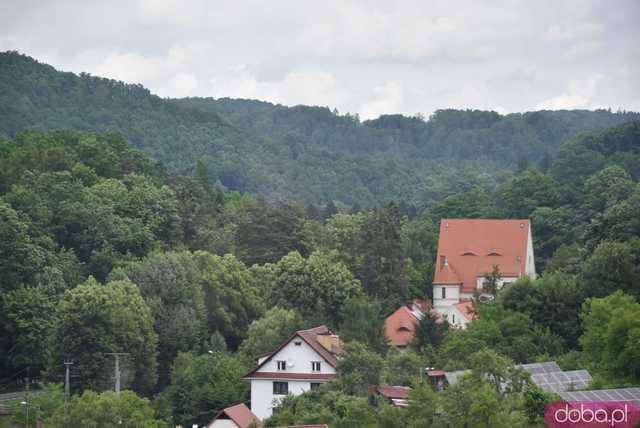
{"x": 468, "y": 253}
{"x": 403, "y": 328}
{"x": 297, "y": 343}
{"x": 494, "y": 253}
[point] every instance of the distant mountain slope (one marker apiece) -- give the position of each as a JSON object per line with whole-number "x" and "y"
{"x": 299, "y": 153}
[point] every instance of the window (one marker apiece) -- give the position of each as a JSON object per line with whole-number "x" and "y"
{"x": 453, "y": 318}
{"x": 315, "y": 366}
{"x": 444, "y": 293}
{"x": 297, "y": 343}
{"x": 280, "y": 388}
{"x": 314, "y": 385}
{"x": 282, "y": 365}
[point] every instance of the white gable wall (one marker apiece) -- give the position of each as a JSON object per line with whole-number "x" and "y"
{"x": 262, "y": 397}
{"x": 301, "y": 357}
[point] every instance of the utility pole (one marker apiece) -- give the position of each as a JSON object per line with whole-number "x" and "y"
{"x": 26, "y": 396}
{"x": 67, "y": 386}
{"x": 117, "y": 369}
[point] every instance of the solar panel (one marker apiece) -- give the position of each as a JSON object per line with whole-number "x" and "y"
{"x": 619, "y": 394}
{"x": 546, "y": 367}
{"x": 562, "y": 381}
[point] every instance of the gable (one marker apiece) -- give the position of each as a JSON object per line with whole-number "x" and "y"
{"x": 297, "y": 354}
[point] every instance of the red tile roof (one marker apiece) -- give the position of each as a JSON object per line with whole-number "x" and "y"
{"x": 240, "y": 414}
{"x": 291, "y": 376}
{"x": 435, "y": 373}
{"x": 472, "y": 246}
{"x": 311, "y": 337}
{"x": 400, "y": 326}
{"x": 399, "y": 392}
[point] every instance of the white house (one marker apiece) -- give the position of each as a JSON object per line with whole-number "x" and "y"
{"x": 303, "y": 362}
{"x": 467, "y": 251}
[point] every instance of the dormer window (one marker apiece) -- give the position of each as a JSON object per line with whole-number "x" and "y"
{"x": 494, "y": 253}
{"x": 282, "y": 365}
{"x": 468, "y": 253}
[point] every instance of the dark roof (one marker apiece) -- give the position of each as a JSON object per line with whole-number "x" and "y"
{"x": 310, "y": 336}
{"x": 240, "y": 414}
{"x": 389, "y": 391}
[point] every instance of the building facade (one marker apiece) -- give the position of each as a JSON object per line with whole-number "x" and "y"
{"x": 468, "y": 249}
{"x": 303, "y": 362}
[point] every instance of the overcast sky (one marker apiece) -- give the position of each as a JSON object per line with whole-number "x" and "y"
{"x": 360, "y": 57}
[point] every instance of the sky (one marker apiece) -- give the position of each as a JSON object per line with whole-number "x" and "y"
{"x": 364, "y": 57}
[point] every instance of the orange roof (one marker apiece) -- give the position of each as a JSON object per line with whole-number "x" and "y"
{"x": 239, "y": 414}
{"x": 465, "y": 307}
{"x": 400, "y": 326}
{"x": 469, "y": 248}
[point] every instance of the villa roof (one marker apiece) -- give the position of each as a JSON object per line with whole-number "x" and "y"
{"x": 469, "y": 248}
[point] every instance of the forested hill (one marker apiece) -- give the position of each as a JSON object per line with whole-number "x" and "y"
{"x": 311, "y": 154}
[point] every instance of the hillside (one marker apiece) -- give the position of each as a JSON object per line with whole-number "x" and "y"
{"x": 310, "y": 154}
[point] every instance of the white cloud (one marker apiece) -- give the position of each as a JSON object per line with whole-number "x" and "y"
{"x": 368, "y": 57}
{"x": 387, "y": 100}
{"x": 579, "y": 95}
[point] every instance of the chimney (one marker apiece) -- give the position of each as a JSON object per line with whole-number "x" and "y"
{"x": 331, "y": 342}
{"x": 443, "y": 261}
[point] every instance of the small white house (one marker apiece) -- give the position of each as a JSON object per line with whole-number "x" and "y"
{"x": 468, "y": 249}
{"x": 303, "y": 362}
{"x": 238, "y": 416}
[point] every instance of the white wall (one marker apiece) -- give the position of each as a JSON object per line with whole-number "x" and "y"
{"x": 453, "y": 295}
{"x": 301, "y": 356}
{"x": 223, "y": 423}
{"x": 501, "y": 281}
{"x": 456, "y": 317}
{"x": 263, "y": 400}
{"x": 530, "y": 266}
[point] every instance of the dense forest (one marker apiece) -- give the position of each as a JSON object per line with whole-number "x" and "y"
{"x": 307, "y": 154}
{"x": 179, "y": 232}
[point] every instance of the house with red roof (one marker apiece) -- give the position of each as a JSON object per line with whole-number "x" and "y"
{"x": 468, "y": 249}
{"x": 238, "y": 416}
{"x": 304, "y": 361}
{"x": 400, "y": 326}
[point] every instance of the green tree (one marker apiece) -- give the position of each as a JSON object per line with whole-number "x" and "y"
{"x": 233, "y": 295}
{"x": 93, "y": 320}
{"x": 318, "y": 287}
{"x": 358, "y": 368}
{"x": 363, "y": 321}
{"x": 611, "y": 336}
{"x": 430, "y": 332}
{"x": 106, "y": 410}
{"x": 383, "y": 267}
{"x": 172, "y": 287}
{"x": 612, "y": 266}
{"x": 267, "y": 333}
{"x": 527, "y": 191}
{"x": 202, "y": 385}
{"x": 554, "y": 300}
